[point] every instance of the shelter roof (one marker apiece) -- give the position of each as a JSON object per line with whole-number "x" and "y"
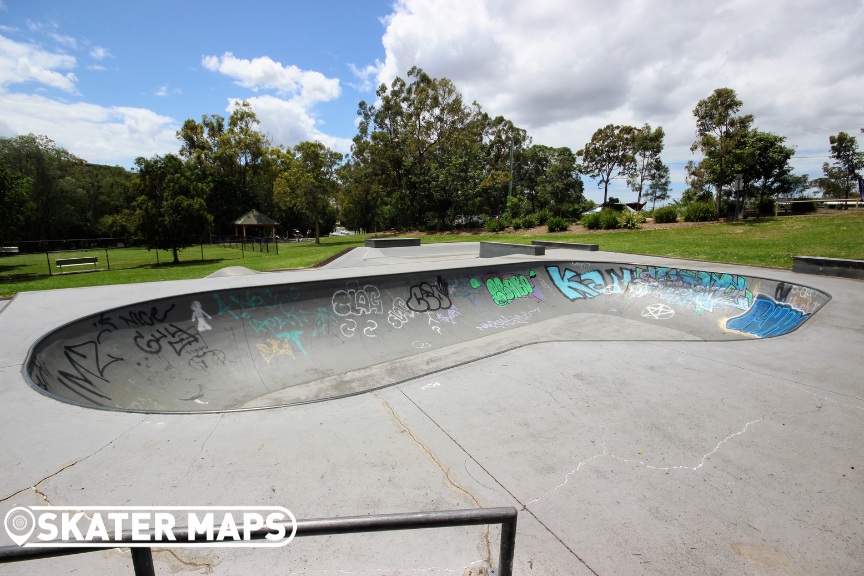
{"x": 255, "y": 218}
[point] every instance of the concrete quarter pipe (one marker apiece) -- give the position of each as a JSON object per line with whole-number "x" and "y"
{"x": 295, "y": 343}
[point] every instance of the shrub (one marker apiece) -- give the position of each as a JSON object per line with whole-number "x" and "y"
{"x": 766, "y": 207}
{"x": 591, "y": 221}
{"x": 494, "y": 225}
{"x": 529, "y": 221}
{"x": 666, "y": 215}
{"x": 556, "y": 224}
{"x": 516, "y": 223}
{"x": 631, "y": 220}
{"x": 803, "y": 207}
{"x": 700, "y": 212}
{"x": 517, "y": 206}
{"x": 541, "y": 217}
{"x": 610, "y": 219}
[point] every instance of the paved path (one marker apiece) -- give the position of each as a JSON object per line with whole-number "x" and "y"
{"x": 623, "y": 455}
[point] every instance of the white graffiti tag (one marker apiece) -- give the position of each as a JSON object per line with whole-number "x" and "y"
{"x": 658, "y": 312}
{"x": 355, "y": 301}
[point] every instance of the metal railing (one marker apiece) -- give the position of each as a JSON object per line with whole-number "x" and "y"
{"x": 142, "y": 558}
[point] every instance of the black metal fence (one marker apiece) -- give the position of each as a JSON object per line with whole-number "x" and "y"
{"x": 72, "y": 244}
{"x": 250, "y": 243}
{"x": 142, "y": 558}
{"x": 25, "y": 260}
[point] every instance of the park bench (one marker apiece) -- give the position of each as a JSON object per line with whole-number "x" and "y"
{"x": 84, "y": 261}
{"x": 8, "y": 250}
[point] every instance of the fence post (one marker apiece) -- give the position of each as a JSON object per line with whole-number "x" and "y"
{"x": 48, "y": 258}
{"x": 107, "y": 261}
{"x": 142, "y": 562}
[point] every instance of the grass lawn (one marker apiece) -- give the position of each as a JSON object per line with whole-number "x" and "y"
{"x": 130, "y": 265}
{"x": 768, "y": 242}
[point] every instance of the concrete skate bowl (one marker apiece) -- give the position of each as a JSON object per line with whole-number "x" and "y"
{"x": 266, "y": 346}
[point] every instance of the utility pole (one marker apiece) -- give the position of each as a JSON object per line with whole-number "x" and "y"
{"x": 510, "y": 189}
{"x": 737, "y": 186}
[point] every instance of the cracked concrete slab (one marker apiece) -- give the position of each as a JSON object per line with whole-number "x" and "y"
{"x": 667, "y": 456}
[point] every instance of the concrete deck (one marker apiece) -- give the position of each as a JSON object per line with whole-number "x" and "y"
{"x": 624, "y": 455}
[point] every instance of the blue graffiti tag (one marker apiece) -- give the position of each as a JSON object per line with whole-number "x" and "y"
{"x": 571, "y": 288}
{"x": 767, "y": 318}
{"x": 702, "y": 290}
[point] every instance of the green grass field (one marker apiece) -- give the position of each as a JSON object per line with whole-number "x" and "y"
{"x": 768, "y": 242}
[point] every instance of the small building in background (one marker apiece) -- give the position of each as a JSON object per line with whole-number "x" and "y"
{"x": 261, "y": 224}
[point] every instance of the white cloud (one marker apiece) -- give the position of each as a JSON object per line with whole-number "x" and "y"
{"x": 103, "y": 135}
{"x": 288, "y": 117}
{"x": 263, "y": 73}
{"x": 163, "y": 91}
{"x": 67, "y": 41}
{"x": 20, "y": 62}
{"x": 563, "y": 69}
{"x": 99, "y": 53}
{"x": 288, "y": 122}
{"x": 366, "y": 76}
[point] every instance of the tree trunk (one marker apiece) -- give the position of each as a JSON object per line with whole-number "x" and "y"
{"x": 719, "y": 200}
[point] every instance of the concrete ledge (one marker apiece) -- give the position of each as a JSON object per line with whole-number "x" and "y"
{"x": 391, "y": 242}
{"x": 493, "y": 249}
{"x": 829, "y": 266}
{"x": 569, "y": 245}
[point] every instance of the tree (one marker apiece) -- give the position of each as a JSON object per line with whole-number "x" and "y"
{"x": 698, "y": 187}
{"x": 43, "y": 173}
{"x": 13, "y": 203}
{"x": 171, "y": 209}
{"x": 234, "y": 160}
{"x": 848, "y": 161}
{"x": 659, "y": 186}
{"x": 105, "y": 192}
{"x": 502, "y": 141}
{"x": 423, "y": 146}
{"x": 763, "y": 162}
{"x": 719, "y": 129}
{"x": 551, "y": 180}
{"x": 609, "y": 155}
{"x": 832, "y": 184}
{"x": 310, "y": 182}
{"x": 360, "y": 195}
{"x": 647, "y": 147}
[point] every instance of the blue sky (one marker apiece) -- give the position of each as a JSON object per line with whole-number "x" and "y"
{"x": 114, "y": 80}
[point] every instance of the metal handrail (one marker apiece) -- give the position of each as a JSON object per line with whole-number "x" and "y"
{"x": 142, "y": 558}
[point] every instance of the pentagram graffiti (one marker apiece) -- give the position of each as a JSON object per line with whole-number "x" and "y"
{"x": 658, "y": 312}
